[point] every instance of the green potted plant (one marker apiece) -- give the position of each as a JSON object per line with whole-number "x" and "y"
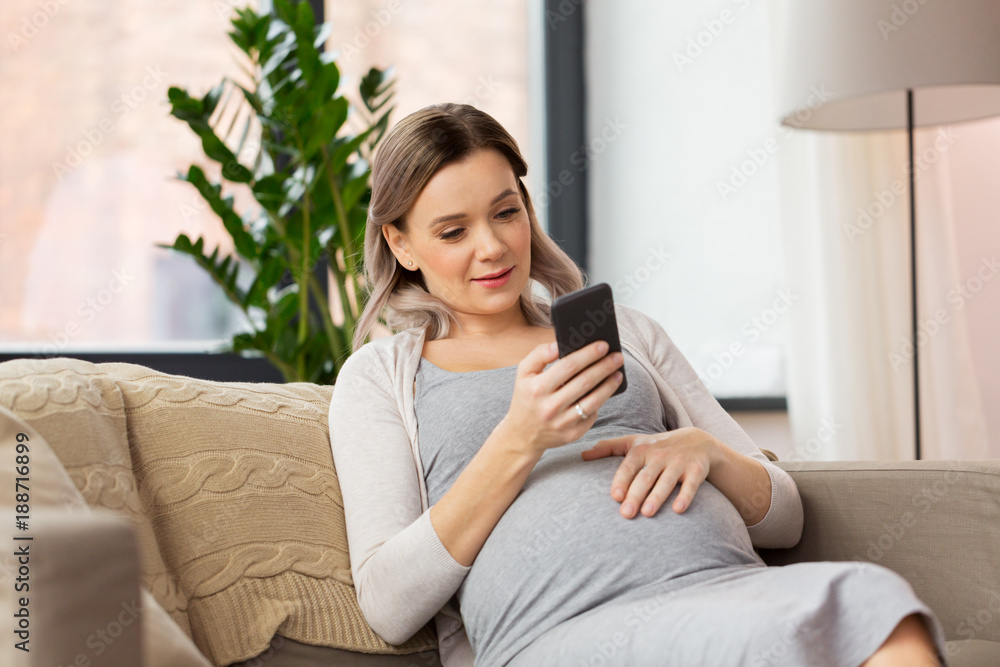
{"x": 309, "y": 173}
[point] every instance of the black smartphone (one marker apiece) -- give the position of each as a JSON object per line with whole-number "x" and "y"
{"x": 586, "y": 315}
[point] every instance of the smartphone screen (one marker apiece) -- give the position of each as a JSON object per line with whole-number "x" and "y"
{"x": 586, "y": 315}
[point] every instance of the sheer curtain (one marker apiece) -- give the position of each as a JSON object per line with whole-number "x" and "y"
{"x": 845, "y": 229}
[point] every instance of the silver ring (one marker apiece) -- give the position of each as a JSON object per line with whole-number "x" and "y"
{"x": 579, "y": 411}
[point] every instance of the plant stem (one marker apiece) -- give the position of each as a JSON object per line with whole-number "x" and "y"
{"x": 333, "y": 333}
{"x": 287, "y": 371}
{"x": 233, "y": 296}
{"x": 359, "y": 296}
{"x": 338, "y": 204}
{"x": 347, "y": 243}
{"x": 349, "y": 323}
{"x": 340, "y": 277}
{"x": 304, "y": 272}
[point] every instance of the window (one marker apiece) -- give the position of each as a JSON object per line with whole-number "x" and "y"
{"x": 87, "y": 176}
{"x": 682, "y": 134}
{"x": 90, "y": 152}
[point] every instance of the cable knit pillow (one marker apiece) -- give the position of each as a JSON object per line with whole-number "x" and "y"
{"x": 164, "y": 643}
{"x": 78, "y": 409}
{"x": 239, "y": 482}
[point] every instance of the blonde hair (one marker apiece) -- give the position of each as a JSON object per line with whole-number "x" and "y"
{"x": 407, "y": 158}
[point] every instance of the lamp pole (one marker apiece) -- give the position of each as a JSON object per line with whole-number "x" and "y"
{"x": 913, "y": 274}
{"x": 867, "y": 70}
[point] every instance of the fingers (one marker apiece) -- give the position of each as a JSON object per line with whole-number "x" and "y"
{"x": 626, "y": 477}
{"x": 643, "y": 491}
{"x": 692, "y": 480}
{"x": 567, "y": 368}
{"x": 588, "y": 373}
{"x": 665, "y": 485}
{"x": 538, "y": 358}
{"x": 653, "y": 466}
{"x": 652, "y": 485}
{"x": 611, "y": 447}
{"x": 601, "y": 374}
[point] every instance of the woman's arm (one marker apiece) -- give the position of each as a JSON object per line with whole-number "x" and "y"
{"x": 402, "y": 572}
{"x": 778, "y": 503}
{"x": 468, "y": 512}
{"x": 743, "y": 480}
{"x": 539, "y": 417}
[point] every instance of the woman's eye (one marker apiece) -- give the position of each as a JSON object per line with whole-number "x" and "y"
{"x": 506, "y": 214}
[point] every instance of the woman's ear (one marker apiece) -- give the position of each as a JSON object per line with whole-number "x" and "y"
{"x": 397, "y": 243}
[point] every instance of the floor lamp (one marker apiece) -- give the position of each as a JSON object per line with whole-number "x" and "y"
{"x": 891, "y": 64}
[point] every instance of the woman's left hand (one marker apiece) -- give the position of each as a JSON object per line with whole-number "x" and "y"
{"x": 654, "y": 464}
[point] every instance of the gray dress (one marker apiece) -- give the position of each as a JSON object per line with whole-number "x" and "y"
{"x": 564, "y": 579}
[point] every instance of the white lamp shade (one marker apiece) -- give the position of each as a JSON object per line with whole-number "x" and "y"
{"x": 848, "y": 63}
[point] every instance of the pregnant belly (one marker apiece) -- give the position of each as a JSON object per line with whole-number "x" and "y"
{"x": 562, "y": 548}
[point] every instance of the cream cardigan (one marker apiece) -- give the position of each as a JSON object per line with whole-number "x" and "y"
{"x": 402, "y": 572}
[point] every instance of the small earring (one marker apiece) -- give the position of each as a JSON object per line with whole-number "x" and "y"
{"x": 410, "y": 263}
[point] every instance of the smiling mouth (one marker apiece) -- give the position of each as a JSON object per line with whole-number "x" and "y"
{"x": 499, "y": 275}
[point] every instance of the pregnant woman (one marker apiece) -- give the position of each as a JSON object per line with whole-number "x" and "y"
{"x": 506, "y": 493}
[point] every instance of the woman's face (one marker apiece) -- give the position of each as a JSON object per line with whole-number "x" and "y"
{"x": 469, "y": 222}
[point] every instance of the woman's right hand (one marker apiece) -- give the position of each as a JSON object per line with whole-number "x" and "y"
{"x": 542, "y": 412}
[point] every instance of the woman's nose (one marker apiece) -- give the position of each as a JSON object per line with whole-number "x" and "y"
{"x": 488, "y": 244}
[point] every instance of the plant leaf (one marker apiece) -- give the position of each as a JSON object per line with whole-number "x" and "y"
{"x": 242, "y": 240}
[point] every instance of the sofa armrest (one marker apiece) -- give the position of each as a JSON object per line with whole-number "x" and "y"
{"x": 83, "y": 598}
{"x": 937, "y": 523}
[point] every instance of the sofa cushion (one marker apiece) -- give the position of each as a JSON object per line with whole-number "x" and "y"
{"x": 284, "y": 652}
{"x": 78, "y": 409}
{"x": 51, "y": 490}
{"x": 933, "y": 522}
{"x": 972, "y": 653}
{"x": 239, "y": 482}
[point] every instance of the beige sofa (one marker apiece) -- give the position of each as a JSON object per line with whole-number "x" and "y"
{"x": 178, "y": 522}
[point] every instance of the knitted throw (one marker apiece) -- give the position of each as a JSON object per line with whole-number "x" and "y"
{"x": 232, "y": 491}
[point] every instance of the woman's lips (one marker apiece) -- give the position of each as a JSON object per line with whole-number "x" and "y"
{"x": 495, "y": 282}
